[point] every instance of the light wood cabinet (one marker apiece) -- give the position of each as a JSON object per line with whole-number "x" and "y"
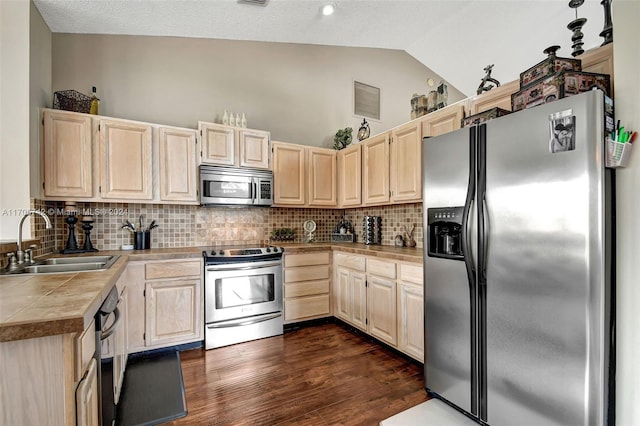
{"x": 381, "y": 309}
{"x": 93, "y": 158}
{"x": 165, "y": 303}
{"x": 67, "y": 154}
{"x": 406, "y": 163}
{"x": 126, "y": 160}
{"x": 350, "y": 288}
{"x": 289, "y": 174}
{"x": 87, "y": 398}
{"x": 411, "y": 311}
{"x": 303, "y": 176}
{"x": 322, "y": 177}
{"x": 306, "y": 286}
{"x": 599, "y": 60}
{"x": 178, "y": 170}
{"x": 375, "y": 170}
{"x": 499, "y": 97}
{"x": 443, "y": 120}
{"x": 231, "y": 146}
{"x": 349, "y": 176}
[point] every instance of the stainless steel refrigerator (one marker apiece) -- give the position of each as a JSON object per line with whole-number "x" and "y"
{"x": 518, "y": 267}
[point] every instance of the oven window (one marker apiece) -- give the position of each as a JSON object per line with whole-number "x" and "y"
{"x": 241, "y": 291}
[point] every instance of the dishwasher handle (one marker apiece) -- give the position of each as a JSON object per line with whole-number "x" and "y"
{"x": 109, "y": 331}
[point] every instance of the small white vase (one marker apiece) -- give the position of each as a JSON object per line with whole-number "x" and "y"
{"x": 243, "y": 123}
{"x": 237, "y": 120}
{"x": 225, "y": 118}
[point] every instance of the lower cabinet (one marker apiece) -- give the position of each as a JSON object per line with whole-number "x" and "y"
{"x": 306, "y": 286}
{"x": 87, "y": 398}
{"x": 411, "y": 311}
{"x": 383, "y": 298}
{"x": 165, "y": 303}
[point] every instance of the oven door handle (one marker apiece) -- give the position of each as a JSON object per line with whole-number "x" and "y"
{"x": 244, "y": 321}
{"x": 227, "y": 267}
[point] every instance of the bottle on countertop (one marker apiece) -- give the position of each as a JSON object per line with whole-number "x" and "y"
{"x": 95, "y": 102}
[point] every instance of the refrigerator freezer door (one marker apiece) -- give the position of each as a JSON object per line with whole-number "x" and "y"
{"x": 447, "y": 295}
{"x": 545, "y": 312}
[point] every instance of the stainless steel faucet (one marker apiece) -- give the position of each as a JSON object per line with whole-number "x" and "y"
{"x": 20, "y": 253}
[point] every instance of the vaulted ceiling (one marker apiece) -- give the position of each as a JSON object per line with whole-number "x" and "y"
{"x": 454, "y": 38}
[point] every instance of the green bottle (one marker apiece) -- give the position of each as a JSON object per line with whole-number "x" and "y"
{"x": 95, "y": 102}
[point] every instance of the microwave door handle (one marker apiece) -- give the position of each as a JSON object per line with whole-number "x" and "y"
{"x": 255, "y": 191}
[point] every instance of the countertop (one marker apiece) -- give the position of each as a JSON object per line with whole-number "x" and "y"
{"x": 49, "y": 304}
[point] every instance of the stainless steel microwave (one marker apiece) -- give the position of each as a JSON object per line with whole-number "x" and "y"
{"x": 225, "y": 186}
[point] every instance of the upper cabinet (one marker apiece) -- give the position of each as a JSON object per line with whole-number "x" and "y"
{"x": 443, "y": 120}
{"x": 232, "y": 146}
{"x": 126, "y": 160}
{"x": 304, "y": 176}
{"x": 350, "y": 176}
{"x": 499, "y": 97}
{"x": 599, "y": 60}
{"x": 177, "y": 164}
{"x": 94, "y": 158}
{"x": 67, "y": 148}
{"x": 289, "y": 174}
{"x": 375, "y": 170}
{"x": 405, "y": 170}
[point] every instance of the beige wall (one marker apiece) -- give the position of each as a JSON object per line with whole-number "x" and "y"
{"x": 301, "y": 93}
{"x": 626, "y": 15}
{"x": 14, "y": 115}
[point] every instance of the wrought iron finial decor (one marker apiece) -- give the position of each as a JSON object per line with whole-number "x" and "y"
{"x": 607, "y": 31}
{"x": 576, "y": 27}
{"x": 484, "y": 87}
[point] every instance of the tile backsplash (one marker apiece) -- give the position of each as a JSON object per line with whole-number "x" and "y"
{"x": 184, "y": 226}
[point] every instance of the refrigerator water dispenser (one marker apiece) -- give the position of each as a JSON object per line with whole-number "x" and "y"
{"x": 445, "y": 232}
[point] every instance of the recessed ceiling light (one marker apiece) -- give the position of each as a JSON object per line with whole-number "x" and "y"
{"x": 328, "y": 9}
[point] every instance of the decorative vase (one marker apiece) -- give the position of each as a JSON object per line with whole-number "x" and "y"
{"x": 238, "y": 123}
{"x": 225, "y": 118}
{"x": 607, "y": 31}
{"x": 243, "y": 123}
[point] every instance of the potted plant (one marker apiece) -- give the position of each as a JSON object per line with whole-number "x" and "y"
{"x": 343, "y": 138}
{"x": 283, "y": 234}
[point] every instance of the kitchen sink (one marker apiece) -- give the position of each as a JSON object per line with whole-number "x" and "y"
{"x": 65, "y": 264}
{"x": 85, "y": 259}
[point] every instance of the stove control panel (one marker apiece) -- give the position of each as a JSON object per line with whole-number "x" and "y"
{"x": 239, "y": 254}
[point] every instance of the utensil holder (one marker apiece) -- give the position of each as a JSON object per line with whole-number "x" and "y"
{"x": 618, "y": 153}
{"x": 141, "y": 240}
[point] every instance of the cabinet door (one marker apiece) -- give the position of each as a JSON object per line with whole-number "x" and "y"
{"x": 499, "y": 97}
{"x": 173, "y": 311}
{"x": 382, "y": 309}
{"x": 218, "y": 144}
{"x": 443, "y": 121}
{"x": 289, "y": 173}
{"x": 406, "y": 163}
{"x": 375, "y": 172}
{"x": 358, "y": 293}
{"x": 67, "y": 154}
{"x": 411, "y": 320}
{"x": 178, "y": 171}
{"x": 350, "y": 176}
{"x": 126, "y": 160}
{"x": 322, "y": 177}
{"x": 343, "y": 294}
{"x": 87, "y": 398}
{"x": 254, "y": 149}
{"x": 599, "y": 60}
{"x": 120, "y": 348}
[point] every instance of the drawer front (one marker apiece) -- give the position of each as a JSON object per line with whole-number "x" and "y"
{"x": 173, "y": 269}
{"x": 307, "y": 288}
{"x": 306, "y": 307}
{"x": 411, "y": 273}
{"x": 350, "y": 261}
{"x": 306, "y": 273}
{"x": 381, "y": 268}
{"x": 306, "y": 259}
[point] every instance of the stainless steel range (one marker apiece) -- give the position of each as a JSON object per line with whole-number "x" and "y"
{"x": 243, "y": 294}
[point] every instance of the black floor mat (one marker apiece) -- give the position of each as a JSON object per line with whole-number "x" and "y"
{"x": 153, "y": 391}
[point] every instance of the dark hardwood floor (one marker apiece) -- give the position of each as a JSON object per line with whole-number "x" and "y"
{"x": 323, "y": 374}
